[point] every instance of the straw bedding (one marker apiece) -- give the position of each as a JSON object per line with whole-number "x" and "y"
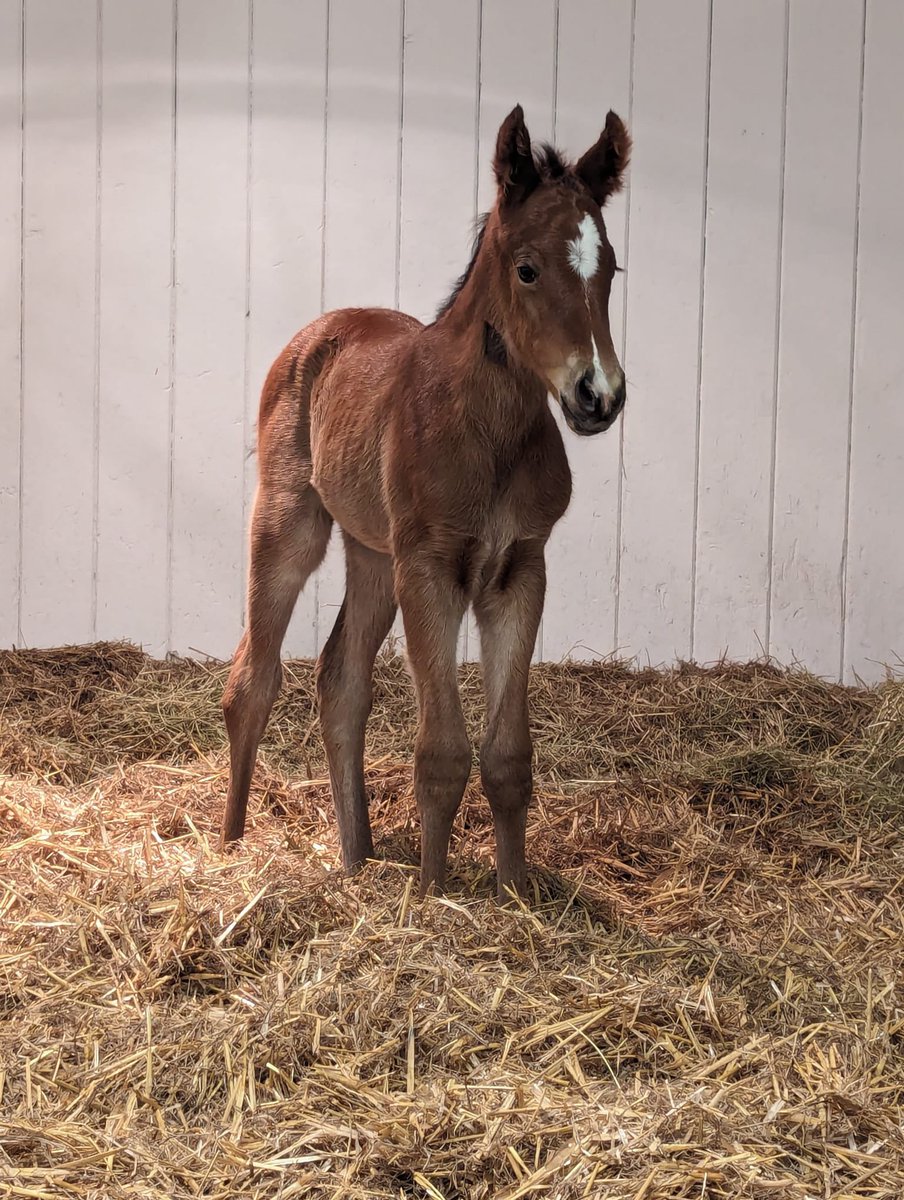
{"x": 705, "y": 998}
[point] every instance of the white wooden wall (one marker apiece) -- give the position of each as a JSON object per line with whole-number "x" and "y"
{"x": 185, "y": 183}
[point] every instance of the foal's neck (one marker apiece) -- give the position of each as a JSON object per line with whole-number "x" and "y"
{"x": 494, "y": 390}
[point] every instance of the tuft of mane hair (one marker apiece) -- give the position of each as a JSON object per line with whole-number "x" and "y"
{"x": 466, "y": 274}
{"x": 554, "y": 168}
{"x": 550, "y": 163}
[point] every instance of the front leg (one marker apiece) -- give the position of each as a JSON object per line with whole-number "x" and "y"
{"x": 433, "y": 602}
{"x": 508, "y": 611}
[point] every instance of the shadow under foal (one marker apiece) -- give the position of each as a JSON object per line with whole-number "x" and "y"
{"x": 434, "y": 449}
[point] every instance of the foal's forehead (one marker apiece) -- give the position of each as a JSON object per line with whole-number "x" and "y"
{"x": 584, "y": 248}
{"x": 575, "y": 231}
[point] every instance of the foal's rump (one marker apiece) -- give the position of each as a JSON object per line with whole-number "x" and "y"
{"x": 318, "y": 346}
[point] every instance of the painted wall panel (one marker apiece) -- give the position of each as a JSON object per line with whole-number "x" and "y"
{"x": 671, "y": 68}
{"x": 517, "y": 66}
{"x": 439, "y": 160}
{"x": 740, "y": 299}
{"x": 817, "y": 294}
{"x": 875, "y": 567}
{"x": 134, "y": 337}
{"x": 59, "y": 322}
{"x": 10, "y": 311}
{"x": 212, "y": 158}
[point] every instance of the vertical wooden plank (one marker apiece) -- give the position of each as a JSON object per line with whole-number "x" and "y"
{"x": 289, "y": 86}
{"x": 517, "y": 66}
{"x": 663, "y": 318}
{"x": 579, "y": 618}
{"x": 59, "y": 321}
{"x": 438, "y": 159}
{"x": 818, "y": 240}
{"x": 10, "y": 310}
{"x": 134, "y": 343}
{"x": 362, "y": 189}
{"x": 211, "y": 229}
{"x": 740, "y": 298}
{"x": 875, "y": 567}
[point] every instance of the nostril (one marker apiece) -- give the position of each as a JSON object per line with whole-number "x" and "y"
{"x": 586, "y": 396}
{"x": 619, "y": 397}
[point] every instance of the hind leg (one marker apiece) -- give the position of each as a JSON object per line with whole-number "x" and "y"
{"x": 345, "y": 692}
{"x": 289, "y": 535}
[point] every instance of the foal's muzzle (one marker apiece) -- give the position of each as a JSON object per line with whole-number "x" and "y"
{"x": 591, "y": 410}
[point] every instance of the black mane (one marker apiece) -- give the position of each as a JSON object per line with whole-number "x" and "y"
{"x": 466, "y": 274}
{"x": 553, "y": 168}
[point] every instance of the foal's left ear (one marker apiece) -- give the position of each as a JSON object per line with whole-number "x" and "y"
{"x": 603, "y": 166}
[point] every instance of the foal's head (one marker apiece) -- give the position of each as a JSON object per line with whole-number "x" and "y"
{"x": 554, "y": 267}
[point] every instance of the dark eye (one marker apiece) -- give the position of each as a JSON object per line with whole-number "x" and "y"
{"x": 526, "y": 273}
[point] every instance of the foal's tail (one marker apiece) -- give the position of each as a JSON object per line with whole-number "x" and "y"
{"x": 284, "y": 422}
{"x": 284, "y": 418}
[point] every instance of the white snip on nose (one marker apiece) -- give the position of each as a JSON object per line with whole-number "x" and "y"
{"x": 584, "y": 250}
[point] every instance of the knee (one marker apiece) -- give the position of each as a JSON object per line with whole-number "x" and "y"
{"x": 249, "y": 685}
{"x": 326, "y": 674}
{"x": 324, "y": 679}
{"x": 506, "y": 773}
{"x": 442, "y": 767}
{"x": 343, "y": 698}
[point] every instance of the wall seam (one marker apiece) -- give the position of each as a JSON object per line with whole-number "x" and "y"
{"x": 171, "y": 480}
{"x": 555, "y": 74}
{"x": 399, "y": 158}
{"x": 323, "y": 220}
{"x": 852, "y": 378}
{"x": 246, "y": 368}
{"x": 465, "y": 635}
{"x": 21, "y": 477}
{"x": 540, "y": 646}
{"x": 98, "y": 222}
{"x": 770, "y": 551}
{"x": 620, "y": 495}
{"x": 695, "y": 530}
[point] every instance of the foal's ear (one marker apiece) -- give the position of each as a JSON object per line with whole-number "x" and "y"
{"x": 514, "y": 166}
{"x": 603, "y": 166}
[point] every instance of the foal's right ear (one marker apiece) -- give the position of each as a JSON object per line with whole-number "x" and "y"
{"x": 516, "y": 172}
{"x": 602, "y": 168}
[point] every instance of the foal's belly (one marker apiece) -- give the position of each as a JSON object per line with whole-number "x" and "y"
{"x": 348, "y": 481}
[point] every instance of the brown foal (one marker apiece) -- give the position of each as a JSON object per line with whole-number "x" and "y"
{"x": 434, "y": 449}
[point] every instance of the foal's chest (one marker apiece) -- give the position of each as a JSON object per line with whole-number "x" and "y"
{"x": 532, "y": 493}
{"x": 528, "y": 496}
